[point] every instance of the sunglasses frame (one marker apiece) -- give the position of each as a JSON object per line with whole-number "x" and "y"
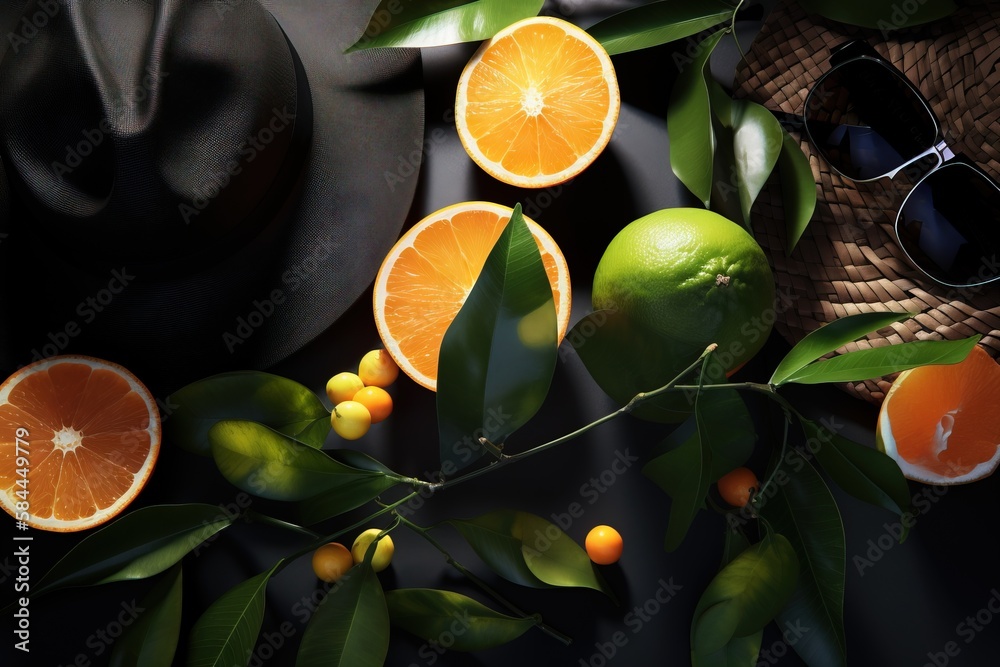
{"x": 853, "y": 51}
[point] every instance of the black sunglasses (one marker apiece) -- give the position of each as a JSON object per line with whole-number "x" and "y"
{"x": 869, "y": 122}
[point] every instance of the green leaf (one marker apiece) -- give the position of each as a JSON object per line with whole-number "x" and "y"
{"x": 689, "y": 124}
{"x": 138, "y": 545}
{"x": 798, "y": 190}
{"x": 528, "y": 550}
{"x": 864, "y": 472}
{"x": 757, "y": 142}
{"x": 608, "y": 342}
{"x": 885, "y": 15}
{"x": 282, "y": 404}
{"x": 804, "y": 510}
{"x": 740, "y": 651}
{"x": 151, "y": 640}
{"x": 729, "y": 427}
{"x": 828, "y": 338}
{"x": 719, "y": 438}
{"x": 756, "y": 136}
{"x": 684, "y": 473}
{"x": 350, "y": 627}
{"x": 470, "y": 626}
{"x": 499, "y": 354}
{"x": 227, "y": 631}
{"x": 879, "y": 361}
{"x": 441, "y": 22}
{"x": 743, "y": 597}
{"x": 271, "y": 465}
{"x": 658, "y": 23}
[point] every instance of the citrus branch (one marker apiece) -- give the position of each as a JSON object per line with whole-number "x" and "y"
{"x": 638, "y": 399}
{"x": 312, "y": 546}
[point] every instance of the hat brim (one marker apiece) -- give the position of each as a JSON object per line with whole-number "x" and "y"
{"x": 265, "y": 300}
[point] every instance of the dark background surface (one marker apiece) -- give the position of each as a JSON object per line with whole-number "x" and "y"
{"x": 901, "y": 610}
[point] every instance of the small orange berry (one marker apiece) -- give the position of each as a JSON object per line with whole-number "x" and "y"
{"x": 377, "y": 400}
{"x": 331, "y": 561}
{"x": 736, "y": 486}
{"x": 604, "y": 545}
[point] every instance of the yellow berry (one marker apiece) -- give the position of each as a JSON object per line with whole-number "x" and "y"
{"x": 350, "y": 420}
{"x": 377, "y": 369}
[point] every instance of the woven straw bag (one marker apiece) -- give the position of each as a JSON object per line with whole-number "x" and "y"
{"x": 848, "y": 260}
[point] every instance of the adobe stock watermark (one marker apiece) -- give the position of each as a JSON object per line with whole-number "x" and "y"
{"x": 635, "y": 620}
{"x": 431, "y": 650}
{"x": 292, "y": 279}
{"x": 877, "y": 548}
{"x": 279, "y": 121}
{"x": 790, "y": 636}
{"x": 28, "y": 27}
{"x": 900, "y": 15}
{"x": 379, "y": 22}
{"x": 967, "y": 630}
{"x": 88, "y": 309}
{"x": 408, "y": 165}
{"x": 103, "y": 638}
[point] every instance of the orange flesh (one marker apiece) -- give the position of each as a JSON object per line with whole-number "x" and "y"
{"x": 431, "y": 279}
{"x": 537, "y": 101}
{"x": 948, "y": 405}
{"x": 87, "y": 439}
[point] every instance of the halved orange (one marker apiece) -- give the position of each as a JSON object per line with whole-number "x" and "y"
{"x": 426, "y": 277}
{"x": 79, "y": 437}
{"x": 537, "y": 103}
{"x": 940, "y": 422}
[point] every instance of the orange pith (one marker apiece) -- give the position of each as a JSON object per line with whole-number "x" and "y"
{"x": 941, "y": 421}
{"x": 537, "y": 103}
{"x": 426, "y": 277}
{"x": 93, "y": 436}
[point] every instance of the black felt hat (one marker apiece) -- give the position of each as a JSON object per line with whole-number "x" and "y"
{"x": 192, "y": 186}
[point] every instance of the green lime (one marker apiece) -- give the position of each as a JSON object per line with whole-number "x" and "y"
{"x": 679, "y": 279}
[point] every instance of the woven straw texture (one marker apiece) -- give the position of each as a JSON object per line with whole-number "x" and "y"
{"x": 848, "y": 260}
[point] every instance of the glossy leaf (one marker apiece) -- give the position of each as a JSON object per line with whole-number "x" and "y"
{"x": 138, "y": 545}
{"x": 499, "y": 354}
{"x": 740, "y": 651}
{"x": 864, "y": 472}
{"x": 658, "y": 23}
{"x": 730, "y": 430}
{"x": 608, "y": 341}
{"x": 798, "y": 190}
{"x": 684, "y": 473}
{"x": 151, "y": 640}
{"x": 267, "y": 464}
{"x": 529, "y": 550}
{"x": 757, "y": 142}
{"x": 828, "y": 338}
{"x": 885, "y": 15}
{"x": 689, "y": 124}
{"x": 743, "y": 597}
{"x": 880, "y": 361}
{"x": 718, "y": 438}
{"x": 282, "y": 404}
{"x": 469, "y": 625}
{"x": 227, "y": 631}
{"x": 350, "y": 627}
{"x": 725, "y": 191}
{"x": 441, "y": 22}
{"x": 804, "y": 510}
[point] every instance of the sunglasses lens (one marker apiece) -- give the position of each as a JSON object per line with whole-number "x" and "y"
{"x": 866, "y": 121}
{"x": 949, "y": 225}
